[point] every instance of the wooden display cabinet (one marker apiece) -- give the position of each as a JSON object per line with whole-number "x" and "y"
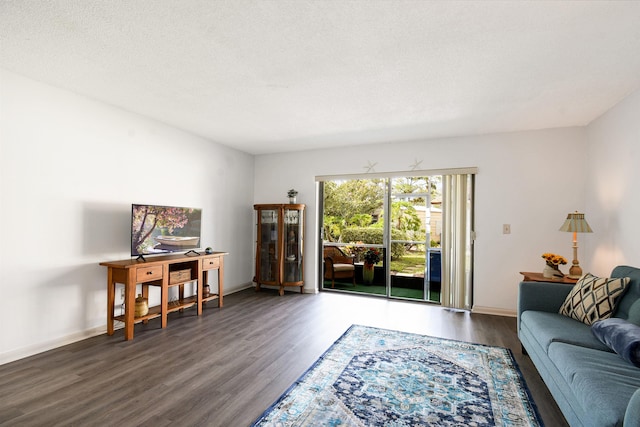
{"x": 279, "y": 242}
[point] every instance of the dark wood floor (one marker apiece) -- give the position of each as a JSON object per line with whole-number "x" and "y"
{"x": 225, "y": 367}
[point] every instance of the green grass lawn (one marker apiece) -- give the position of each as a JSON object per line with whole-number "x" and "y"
{"x": 410, "y": 263}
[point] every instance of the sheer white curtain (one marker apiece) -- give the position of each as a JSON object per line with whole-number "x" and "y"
{"x": 457, "y": 249}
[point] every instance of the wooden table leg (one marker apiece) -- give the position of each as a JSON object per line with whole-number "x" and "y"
{"x": 164, "y": 307}
{"x": 181, "y": 296}
{"x": 200, "y": 287}
{"x": 129, "y": 304}
{"x": 220, "y": 282}
{"x": 111, "y": 300}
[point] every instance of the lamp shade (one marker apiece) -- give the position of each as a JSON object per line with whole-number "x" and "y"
{"x": 575, "y": 223}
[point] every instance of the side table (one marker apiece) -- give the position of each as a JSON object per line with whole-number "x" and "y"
{"x": 538, "y": 277}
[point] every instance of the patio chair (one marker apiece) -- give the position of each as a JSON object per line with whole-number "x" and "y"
{"x": 337, "y": 265}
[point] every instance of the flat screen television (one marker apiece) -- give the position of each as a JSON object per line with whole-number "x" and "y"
{"x": 162, "y": 229}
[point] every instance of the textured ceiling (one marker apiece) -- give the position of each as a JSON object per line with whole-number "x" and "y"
{"x": 273, "y": 76}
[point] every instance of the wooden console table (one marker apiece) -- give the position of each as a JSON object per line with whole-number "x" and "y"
{"x": 157, "y": 271}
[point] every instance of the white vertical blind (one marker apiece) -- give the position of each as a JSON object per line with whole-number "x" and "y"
{"x": 457, "y": 216}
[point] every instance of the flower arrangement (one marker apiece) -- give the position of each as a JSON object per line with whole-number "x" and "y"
{"x": 372, "y": 256}
{"x": 355, "y": 251}
{"x": 554, "y": 260}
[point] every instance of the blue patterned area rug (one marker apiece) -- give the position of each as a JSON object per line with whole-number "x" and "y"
{"x": 378, "y": 377}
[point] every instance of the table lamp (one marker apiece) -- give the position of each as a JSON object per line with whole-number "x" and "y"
{"x": 575, "y": 223}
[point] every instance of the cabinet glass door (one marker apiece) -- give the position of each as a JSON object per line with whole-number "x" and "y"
{"x": 293, "y": 245}
{"x": 268, "y": 245}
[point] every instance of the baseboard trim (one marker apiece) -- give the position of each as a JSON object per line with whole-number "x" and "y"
{"x": 31, "y": 350}
{"x": 289, "y": 288}
{"x": 243, "y": 287}
{"x": 493, "y": 310}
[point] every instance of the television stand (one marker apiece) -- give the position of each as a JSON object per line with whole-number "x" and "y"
{"x": 164, "y": 272}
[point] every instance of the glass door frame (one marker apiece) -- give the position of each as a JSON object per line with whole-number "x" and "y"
{"x": 386, "y": 235}
{"x": 358, "y": 268}
{"x": 426, "y": 280}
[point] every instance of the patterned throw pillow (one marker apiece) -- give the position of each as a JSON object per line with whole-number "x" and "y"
{"x": 593, "y": 298}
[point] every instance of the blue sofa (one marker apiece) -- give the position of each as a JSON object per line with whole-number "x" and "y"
{"x": 592, "y": 385}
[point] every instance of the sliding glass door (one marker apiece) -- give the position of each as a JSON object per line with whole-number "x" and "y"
{"x": 415, "y": 238}
{"x": 399, "y": 236}
{"x": 353, "y": 235}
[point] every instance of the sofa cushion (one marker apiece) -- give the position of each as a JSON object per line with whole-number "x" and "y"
{"x": 602, "y": 382}
{"x": 628, "y": 307}
{"x": 634, "y": 313}
{"x": 554, "y": 327}
{"x": 621, "y": 336}
{"x": 593, "y": 298}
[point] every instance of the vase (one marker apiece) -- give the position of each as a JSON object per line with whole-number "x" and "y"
{"x": 368, "y": 271}
{"x": 142, "y": 306}
{"x": 551, "y": 272}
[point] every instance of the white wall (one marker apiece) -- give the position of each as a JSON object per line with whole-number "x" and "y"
{"x": 613, "y": 174}
{"x": 70, "y": 170}
{"x": 530, "y": 180}
{"x": 71, "y": 167}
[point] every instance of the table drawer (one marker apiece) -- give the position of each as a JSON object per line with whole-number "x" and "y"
{"x": 147, "y": 274}
{"x": 210, "y": 263}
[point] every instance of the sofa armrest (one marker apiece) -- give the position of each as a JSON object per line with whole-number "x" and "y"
{"x": 541, "y": 296}
{"x": 632, "y": 415}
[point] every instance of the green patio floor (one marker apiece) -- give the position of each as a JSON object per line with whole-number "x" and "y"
{"x": 381, "y": 290}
